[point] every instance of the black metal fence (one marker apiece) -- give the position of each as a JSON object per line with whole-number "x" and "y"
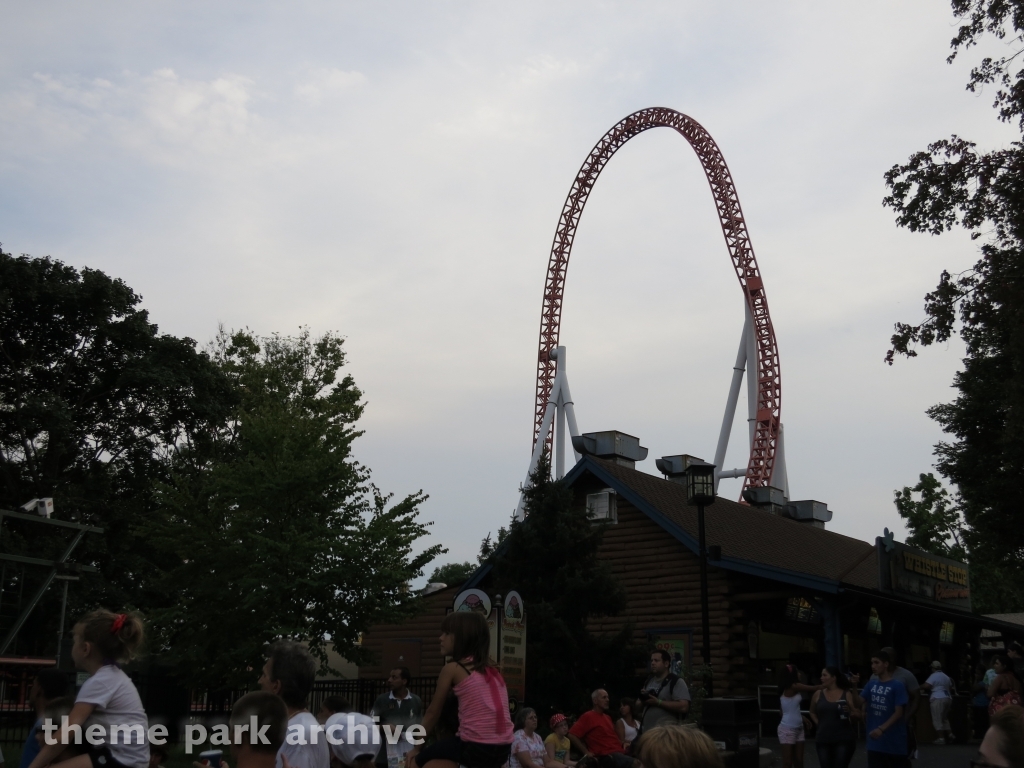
{"x": 169, "y": 704}
{"x": 16, "y": 713}
{"x": 360, "y": 694}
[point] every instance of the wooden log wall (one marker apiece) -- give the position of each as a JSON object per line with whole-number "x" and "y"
{"x": 662, "y": 578}
{"x": 425, "y": 627}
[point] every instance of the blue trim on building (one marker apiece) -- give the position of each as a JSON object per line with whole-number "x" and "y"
{"x": 477, "y": 577}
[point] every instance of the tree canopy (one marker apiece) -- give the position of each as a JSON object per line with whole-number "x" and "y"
{"x": 453, "y": 573}
{"x": 234, "y": 511}
{"x": 954, "y": 184}
{"x": 274, "y": 528}
{"x": 93, "y": 397}
{"x": 551, "y": 559}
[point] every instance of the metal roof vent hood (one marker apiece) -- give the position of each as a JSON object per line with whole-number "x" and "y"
{"x": 615, "y": 446}
{"x": 674, "y": 467}
{"x": 816, "y": 513}
{"x": 772, "y": 500}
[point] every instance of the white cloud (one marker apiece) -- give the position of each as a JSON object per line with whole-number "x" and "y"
{"x": 328, "y": 83}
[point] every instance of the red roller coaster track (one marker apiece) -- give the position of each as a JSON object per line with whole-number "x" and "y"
{"x": 769, "y": 379}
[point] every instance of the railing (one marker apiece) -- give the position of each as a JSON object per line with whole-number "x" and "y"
{"x": 16, "y": 713}
{"x": 360, "y": 694}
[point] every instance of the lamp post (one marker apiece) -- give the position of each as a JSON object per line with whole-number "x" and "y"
{"x": 700, "y": 491}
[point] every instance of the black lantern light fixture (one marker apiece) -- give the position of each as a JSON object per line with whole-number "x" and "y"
{"x": 700, "y": 492}
{"x": 700, "y": 483}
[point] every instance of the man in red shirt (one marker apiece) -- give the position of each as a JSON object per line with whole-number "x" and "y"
{"x": 594, "y": 735}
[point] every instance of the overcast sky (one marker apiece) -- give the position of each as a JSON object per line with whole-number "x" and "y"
{"x": 394, "y": 172}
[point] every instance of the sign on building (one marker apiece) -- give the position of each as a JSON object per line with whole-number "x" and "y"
{"x": 513, "y": 646}
{"x": 921, "y": 576}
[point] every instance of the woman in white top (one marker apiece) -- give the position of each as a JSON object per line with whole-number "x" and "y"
{"x": 626, "y": 726}
{"x": 792, "y": 730}
{"x": 528, "y": 750}
{"x": 939, "y": 688}
{"x": 107, "y": 699}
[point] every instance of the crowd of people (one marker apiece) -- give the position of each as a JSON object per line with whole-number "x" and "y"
{"x": 886, "y": 705}
{"x": 468, "y": 722}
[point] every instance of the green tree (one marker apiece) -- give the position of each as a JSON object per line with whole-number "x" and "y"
{"x": 934, "y": 518}
{"x": 453, "y": 573}
{"x": 936, "y": 522}
{"x": 273, "y": 529}
{"x": 953, "y": 184}
{"x": 551, "y": 559}
{"x": 92, "y": 398}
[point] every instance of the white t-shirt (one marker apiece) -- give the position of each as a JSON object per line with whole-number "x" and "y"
{"x": 940, "y": 683}
{"x": 298, "y": 744}
{"x": 117, "y": 703}
{"x": 532, "y": 744}
{"x": 355, "y": 741}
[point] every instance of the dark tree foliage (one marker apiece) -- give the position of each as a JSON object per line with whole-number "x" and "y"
{"x": 273, "y": 529}
{"x": 551, "y": 559}
{"x": 953, "y": 184}
{"x": 91, "y": 398}
{"x": 934, "y": 517}
{"x": 453, "y": 573}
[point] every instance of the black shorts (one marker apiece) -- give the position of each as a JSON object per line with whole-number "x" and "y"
{"x": 101, "y": 758}
{"x": 467, "y": 753}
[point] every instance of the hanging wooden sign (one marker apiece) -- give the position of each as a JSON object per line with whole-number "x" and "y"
{"x": 513, "y": 647}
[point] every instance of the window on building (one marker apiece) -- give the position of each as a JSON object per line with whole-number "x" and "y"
{"x": 946, "y": 633}
{"x": 874, "y": 622}
{"x": 799, "y": 609}
{"x": 602, "y": 506}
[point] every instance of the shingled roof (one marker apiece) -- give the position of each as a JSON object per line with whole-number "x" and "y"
{"x": 752, "y": 540}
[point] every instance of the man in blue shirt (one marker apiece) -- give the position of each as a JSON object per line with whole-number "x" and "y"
{"x": 885, "y": 701}
{"x": 49, "y": 684}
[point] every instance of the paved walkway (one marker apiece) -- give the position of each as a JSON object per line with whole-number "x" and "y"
{"x": 930, "y": 756}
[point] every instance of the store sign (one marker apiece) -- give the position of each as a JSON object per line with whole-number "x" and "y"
{"x": 923, "y": 576}
{"x": 472, "y": 600}
{"x": 513, "y": 646}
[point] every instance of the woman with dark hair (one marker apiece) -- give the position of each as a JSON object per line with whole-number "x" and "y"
{"x": 832, "y": 709}
{"x": 1003, "y": 745}
{"x": 626, "y": 726}
{"x": 1005, "y": 689}
{"x": 791, "y": 731}
{"x": 485, "y": 730}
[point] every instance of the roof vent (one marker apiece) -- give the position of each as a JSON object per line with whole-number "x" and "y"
{"x": 619, "y": 447}
{"x": 774, "y": 500}
{"x": 766, "y": 497}
{"x": 674, "y": 467}
{"x": 816, "y": 513}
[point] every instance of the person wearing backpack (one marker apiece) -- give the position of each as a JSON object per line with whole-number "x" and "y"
{"x": 665, "y": 698}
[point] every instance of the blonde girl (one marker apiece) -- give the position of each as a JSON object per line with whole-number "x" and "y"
{"x": 103, "y": 640}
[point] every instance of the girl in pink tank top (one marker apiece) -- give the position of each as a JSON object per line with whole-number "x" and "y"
{"x": 485, "y": 728}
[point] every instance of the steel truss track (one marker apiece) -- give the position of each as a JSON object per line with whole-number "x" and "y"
{"x": 769, "y": 380}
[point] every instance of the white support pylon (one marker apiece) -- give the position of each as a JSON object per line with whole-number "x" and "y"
{"x": 560, "y": 410}
{"x": 746, "y": 363}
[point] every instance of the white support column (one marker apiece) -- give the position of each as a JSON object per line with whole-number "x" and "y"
{"x": 538, "y": 449}
{"x": 560, "y": 435}
{"x": 566, "y": 398}
{"x": 730, "y": 404}
{"x": 780, "y": 477}
{"x": 559, "y": 410}
{"x": 751, "y": 379}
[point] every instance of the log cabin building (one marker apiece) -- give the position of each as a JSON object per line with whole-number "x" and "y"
{"x": 782, "y": 590}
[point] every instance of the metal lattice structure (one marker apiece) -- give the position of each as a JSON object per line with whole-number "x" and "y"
{"x": 764, "y": 444}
